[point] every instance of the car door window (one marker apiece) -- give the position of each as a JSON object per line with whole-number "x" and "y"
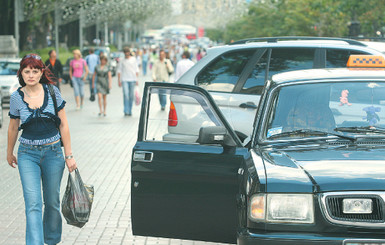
{"x": 291, "y": 59}
{"x": 282, "y": 60}
{"x": 222, "y": 74}
{"x": 254, "y": 84}
{"x": 336, "y": 58}
{"x": 181, "y": 123}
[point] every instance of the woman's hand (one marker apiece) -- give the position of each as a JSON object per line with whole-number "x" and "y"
{"x": 71, "y": 164}
{"x": 12, "y": 161}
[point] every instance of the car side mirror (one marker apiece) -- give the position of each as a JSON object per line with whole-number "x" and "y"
{"x": 215, "y": 135}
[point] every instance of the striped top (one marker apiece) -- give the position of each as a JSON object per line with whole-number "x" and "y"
{"x": 40, "y": 126}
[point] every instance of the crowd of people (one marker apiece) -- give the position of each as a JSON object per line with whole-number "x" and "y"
{"x": 37, "y": 109}
{"x": 162, "y": 65}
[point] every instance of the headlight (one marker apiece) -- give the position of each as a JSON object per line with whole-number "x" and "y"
{"x": 282, "y": 208}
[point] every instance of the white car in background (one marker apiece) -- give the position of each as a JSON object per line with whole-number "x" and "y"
{"x": 1, "y": 110}
{"x": 8, "y": 78}
{"x": 235, "y": 75}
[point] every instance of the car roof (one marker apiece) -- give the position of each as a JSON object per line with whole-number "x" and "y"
{"x": 380, "y": 46}
{"x": 330, "y": 74}
{"x": 337, "y": 44}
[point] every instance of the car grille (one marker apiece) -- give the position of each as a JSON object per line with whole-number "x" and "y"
{"x": 333, "y": 208}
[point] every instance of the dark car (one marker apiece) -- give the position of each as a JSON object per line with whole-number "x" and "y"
{"x": 312, "y": 172}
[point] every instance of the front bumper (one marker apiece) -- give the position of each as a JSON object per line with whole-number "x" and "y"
{"x": 248, "y": 238}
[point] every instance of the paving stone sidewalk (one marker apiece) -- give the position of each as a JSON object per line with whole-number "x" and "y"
{"x": 102, "y": 147}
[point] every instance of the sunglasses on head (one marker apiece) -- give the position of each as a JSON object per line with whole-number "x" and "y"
{"x": 33, "y": 56}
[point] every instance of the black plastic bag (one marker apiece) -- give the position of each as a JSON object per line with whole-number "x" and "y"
{"x": 77, "y": 200}
{"x": 92, "y": 97}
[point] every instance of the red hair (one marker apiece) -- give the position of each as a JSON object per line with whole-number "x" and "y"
{"x": 34, "y": 61}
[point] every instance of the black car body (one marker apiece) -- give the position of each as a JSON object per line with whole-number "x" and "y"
{"x": 313, "y": 171}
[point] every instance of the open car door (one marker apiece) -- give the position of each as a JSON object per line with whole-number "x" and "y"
{"x": 185, "y": 188}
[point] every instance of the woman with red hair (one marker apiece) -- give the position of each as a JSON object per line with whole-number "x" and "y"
{"x": 39, "y": 157}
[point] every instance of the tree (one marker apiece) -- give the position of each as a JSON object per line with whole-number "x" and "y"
{"x": 307, "y": 18}
{"x": 39, "y": 13}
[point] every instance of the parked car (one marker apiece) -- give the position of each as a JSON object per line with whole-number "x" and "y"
{"x": 8, "y": 78}
{"x": 235, "y": 74}
{"x": 313, "y": 172}
{"x": 1, "y": 110}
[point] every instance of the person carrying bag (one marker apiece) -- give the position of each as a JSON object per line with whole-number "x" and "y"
{"x": 77, "y": 200}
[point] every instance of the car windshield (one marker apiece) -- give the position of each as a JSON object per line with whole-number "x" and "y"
{"x": 9, "y": 68}
{"x": 354, "y": 108}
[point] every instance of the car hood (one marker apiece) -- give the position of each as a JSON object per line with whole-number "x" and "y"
{"x": 7, "y": 80}
{"x": 325, "y": 170}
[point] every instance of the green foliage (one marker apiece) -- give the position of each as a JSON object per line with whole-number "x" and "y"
{"x": 63, "y": 53}
{"x": 215, "y": 34}
{"x": 267, "y": 18}
{"x": 113, "y": 48}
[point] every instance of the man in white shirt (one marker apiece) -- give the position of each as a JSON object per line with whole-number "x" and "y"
{"x": 128, "y": 72}
{"x": 183, "y": 65}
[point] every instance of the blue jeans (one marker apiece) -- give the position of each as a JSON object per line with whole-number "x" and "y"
{"x": 144, "y": 67}
{"x": 41, "y": 166}
{"x": 162, "y": 97}
{"x": 128, "y": 96}
{"x": 78, "y": 84}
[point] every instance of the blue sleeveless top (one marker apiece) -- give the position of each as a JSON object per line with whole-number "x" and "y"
{"x": 40, "y": 126}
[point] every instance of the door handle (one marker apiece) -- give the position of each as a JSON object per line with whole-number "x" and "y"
{"x": 249, "y": 105}
{"x": 143, "y": 156}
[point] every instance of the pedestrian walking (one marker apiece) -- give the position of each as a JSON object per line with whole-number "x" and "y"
{"x": 92, "y": 61}
{"x": 153, "y": 58}
{"x": 39, "y": 158}
{"x": 103, "y": 85}
{"x": 145, "y": 58}
{"x": 199, "y": 55}
{"x": 161, "y": 73}
{"x": 78, "y": 75}
{"x": 183, "y": 65}
{"x": 55, "y": 67}
{"x": 128, "y": 72}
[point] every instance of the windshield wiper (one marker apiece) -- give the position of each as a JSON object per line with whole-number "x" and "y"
{"x": 311, "y": 132}
{"x": 361, "y": 129}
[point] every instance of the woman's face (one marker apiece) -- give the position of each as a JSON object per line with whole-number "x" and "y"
{"x": 31, "y": 76}
{"x": 76, "y": 55}
{"x": 103, "y": 61}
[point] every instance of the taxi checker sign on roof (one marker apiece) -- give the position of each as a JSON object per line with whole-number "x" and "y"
{"x": 375, "y": 61}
